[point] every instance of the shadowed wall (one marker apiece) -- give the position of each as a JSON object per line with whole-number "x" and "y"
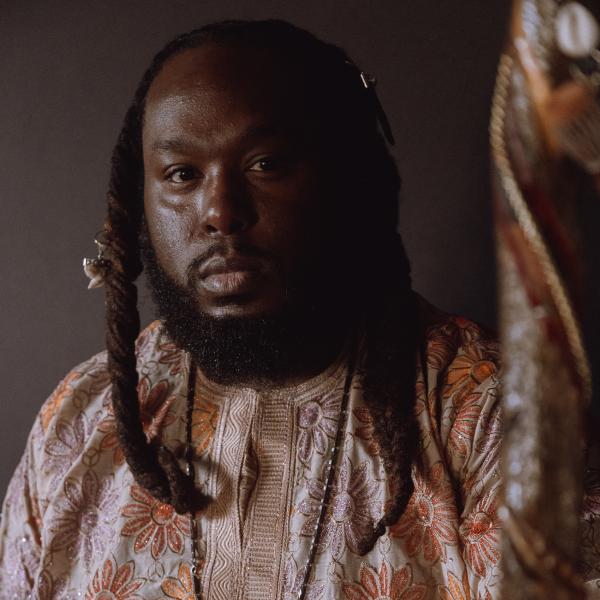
{"x": 68, "y": 73}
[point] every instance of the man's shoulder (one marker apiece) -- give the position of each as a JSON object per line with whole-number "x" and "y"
{"x": 86, "y": 387}
{"x": 452, "y": 341}
{"x": 458, "y": 394}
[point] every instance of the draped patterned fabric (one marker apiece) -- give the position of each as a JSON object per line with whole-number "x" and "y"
{"x": 544, "y": 122}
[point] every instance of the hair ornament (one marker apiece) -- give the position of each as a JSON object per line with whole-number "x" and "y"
{"x": 369, "y": 82}
{"x": 96, "y": 268}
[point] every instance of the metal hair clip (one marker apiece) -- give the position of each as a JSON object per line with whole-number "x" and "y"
{"x": 96, "y": 268}
{"x": 369, "y": 82}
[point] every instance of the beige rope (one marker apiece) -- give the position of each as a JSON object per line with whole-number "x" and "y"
{"x": 530, "y": 229}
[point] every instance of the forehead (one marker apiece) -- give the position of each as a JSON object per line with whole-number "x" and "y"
{"x": 218, "y": 85}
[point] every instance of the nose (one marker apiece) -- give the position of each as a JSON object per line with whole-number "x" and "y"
{"x": 227, "y": 207}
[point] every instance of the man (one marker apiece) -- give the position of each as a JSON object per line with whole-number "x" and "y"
{"x": 299, "y": 424}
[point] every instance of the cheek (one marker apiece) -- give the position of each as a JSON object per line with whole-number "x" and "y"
{"x": 168, "y": 230}
{"x": 300, "y": 232}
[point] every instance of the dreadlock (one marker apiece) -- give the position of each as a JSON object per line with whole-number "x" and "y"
{"x": 349, "y": 117}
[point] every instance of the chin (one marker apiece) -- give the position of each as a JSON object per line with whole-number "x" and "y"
{"x": 234, "y": 338}
{"x": 240, "y": 307}
{"x": 237, "y": 341}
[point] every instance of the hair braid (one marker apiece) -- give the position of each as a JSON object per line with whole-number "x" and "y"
{"x": 153, "y": 466}
{"x": 389, "y": 391}
{"x": 392, "y": 328}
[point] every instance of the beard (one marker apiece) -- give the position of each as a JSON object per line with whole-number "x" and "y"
{"x": 237, "y": 350}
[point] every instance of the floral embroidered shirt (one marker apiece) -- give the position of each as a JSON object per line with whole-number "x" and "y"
{"x": 75, "y": 525}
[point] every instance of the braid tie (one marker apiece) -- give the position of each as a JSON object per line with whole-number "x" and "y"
{"x": 185, "y": 497}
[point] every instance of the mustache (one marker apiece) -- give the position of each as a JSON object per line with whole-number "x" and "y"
{"x": 226, "y": 250}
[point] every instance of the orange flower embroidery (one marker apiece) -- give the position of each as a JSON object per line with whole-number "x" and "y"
{"x": 441, "y": 345}
{"x": 154, "y": 523}
{"x": 466, "y": 372}
{"x": 144, "y": 339}
{"x": 456, "y": 590}
{"x": 469, "y": 331}
{"x": 172, "y": 356}
{"x": 388, "y": 584}
{"x": 429, "y": 521}
{"x": 114, "y": 583}
{"x": 110, "y": 441}
{"x": 205, "y": 415}
{"x": 182, "y": 586}
{"x": 488, "y": 446}
{"x": 54, "y": 402}
{"x": 154, "y": 406}
{"x": 99, "y": 381}
{"x": 481, "y": 534}
{"x": 492, "y": 426}
{"x": 463, "y": 428}
{"x": 154, "y": 413}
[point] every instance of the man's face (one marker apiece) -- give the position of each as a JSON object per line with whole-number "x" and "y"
{"x": 234, "y": 198}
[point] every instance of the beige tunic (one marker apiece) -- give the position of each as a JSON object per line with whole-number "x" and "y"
{"x": 76, "y": 525}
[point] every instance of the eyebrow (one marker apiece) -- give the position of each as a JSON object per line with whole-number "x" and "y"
{"x": 172, "y": 145}
{"x": 182, "y": 144}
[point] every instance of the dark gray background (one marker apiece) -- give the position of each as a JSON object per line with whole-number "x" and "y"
{"x": 67, "y": 73}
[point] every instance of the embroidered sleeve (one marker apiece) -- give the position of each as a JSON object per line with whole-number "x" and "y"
{"x": 20, "y": 529}
{"x": 473, "y": 456}
{"x": 479, "y": 524}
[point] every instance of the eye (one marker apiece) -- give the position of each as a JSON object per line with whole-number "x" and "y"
{"x": 182, "y": 175}
{"x": 265, "y": 164}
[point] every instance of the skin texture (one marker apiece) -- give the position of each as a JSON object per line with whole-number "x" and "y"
{"x": 234, "y": 182}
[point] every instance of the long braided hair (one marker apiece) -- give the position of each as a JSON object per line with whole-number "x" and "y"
{"x": 350, "y": 118}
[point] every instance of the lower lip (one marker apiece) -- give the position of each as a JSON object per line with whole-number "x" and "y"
{"x": 231, "y": 282}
